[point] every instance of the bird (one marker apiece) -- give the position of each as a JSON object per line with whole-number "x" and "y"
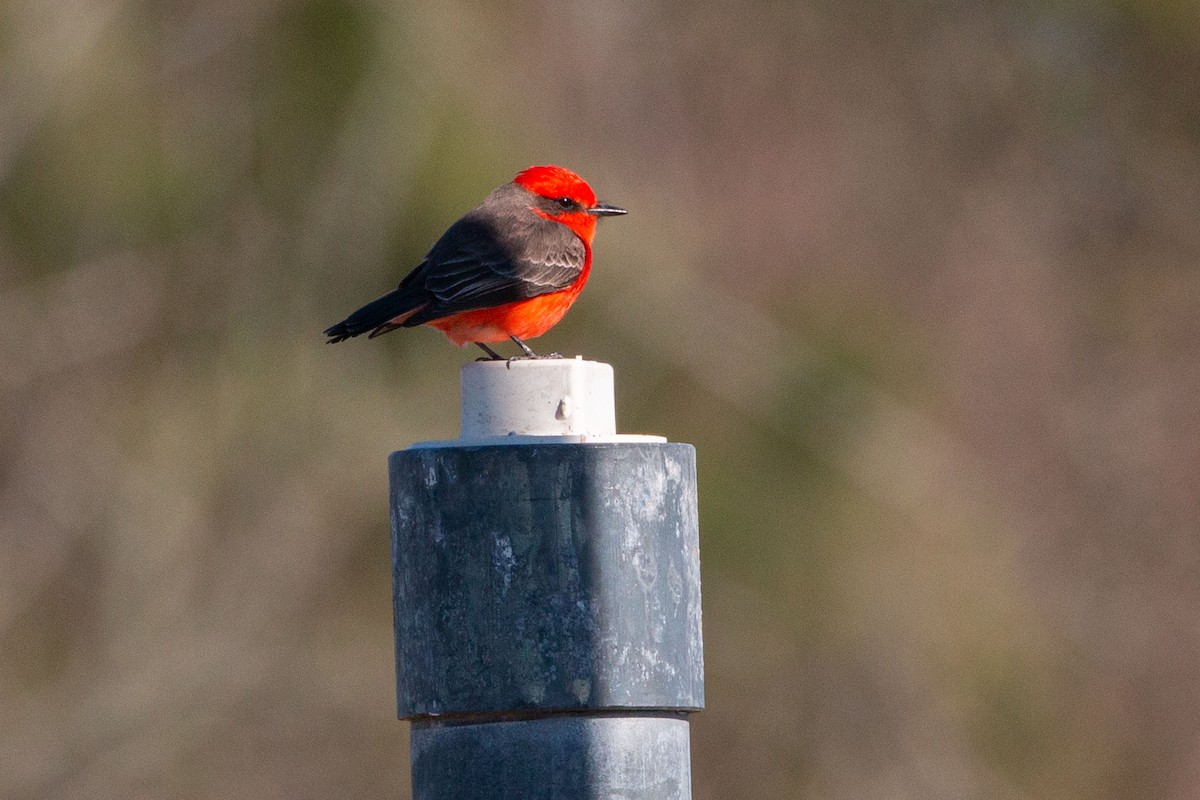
{"x": 508, "y": 269}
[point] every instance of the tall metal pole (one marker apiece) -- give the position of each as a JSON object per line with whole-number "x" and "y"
{"x": 547, "y": 595}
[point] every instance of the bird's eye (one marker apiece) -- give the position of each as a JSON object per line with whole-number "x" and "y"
{"x": 565, "y": 202}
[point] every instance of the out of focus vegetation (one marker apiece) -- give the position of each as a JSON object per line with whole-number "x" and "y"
{"x": 920, "y": 280}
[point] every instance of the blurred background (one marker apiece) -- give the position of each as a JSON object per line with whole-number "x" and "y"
{"x": 919, "y": 280}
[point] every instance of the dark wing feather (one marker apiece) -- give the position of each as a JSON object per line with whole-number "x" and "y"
{"x": 478, "y": 265}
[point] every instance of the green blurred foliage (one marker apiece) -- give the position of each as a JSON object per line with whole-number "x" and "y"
{"x": 919, "y": 280}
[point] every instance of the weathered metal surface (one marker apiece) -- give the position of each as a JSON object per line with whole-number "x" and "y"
{"x": 556, "y": 758}
{"x": 547, "y": 576}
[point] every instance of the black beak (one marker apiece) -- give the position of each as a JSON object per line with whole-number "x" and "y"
{"x": 605, "y": 210}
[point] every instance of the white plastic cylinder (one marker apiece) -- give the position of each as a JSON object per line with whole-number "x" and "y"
{"x": 537, "y": 397}
{"x": 531, "y": 400}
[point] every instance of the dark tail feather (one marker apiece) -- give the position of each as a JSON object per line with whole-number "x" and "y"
{"x": 377, "y": 316}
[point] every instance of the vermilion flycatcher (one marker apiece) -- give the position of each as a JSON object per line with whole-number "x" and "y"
{"x": 509, "y": 269}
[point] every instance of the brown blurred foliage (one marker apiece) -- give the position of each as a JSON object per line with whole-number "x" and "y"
{"x": 920, "y": 281}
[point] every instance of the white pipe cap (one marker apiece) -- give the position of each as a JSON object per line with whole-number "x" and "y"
{"x": 523, "y": 401}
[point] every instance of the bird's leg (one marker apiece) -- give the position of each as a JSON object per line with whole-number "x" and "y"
{"x": 529, "y": 351}
{"x": 492, "y": 354}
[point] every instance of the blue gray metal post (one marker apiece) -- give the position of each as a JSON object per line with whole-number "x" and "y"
{"x": 547, "y": 596}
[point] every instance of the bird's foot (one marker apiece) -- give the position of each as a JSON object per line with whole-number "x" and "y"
{"x": 529, "y": 355}
{"x": 534, "y": 357}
